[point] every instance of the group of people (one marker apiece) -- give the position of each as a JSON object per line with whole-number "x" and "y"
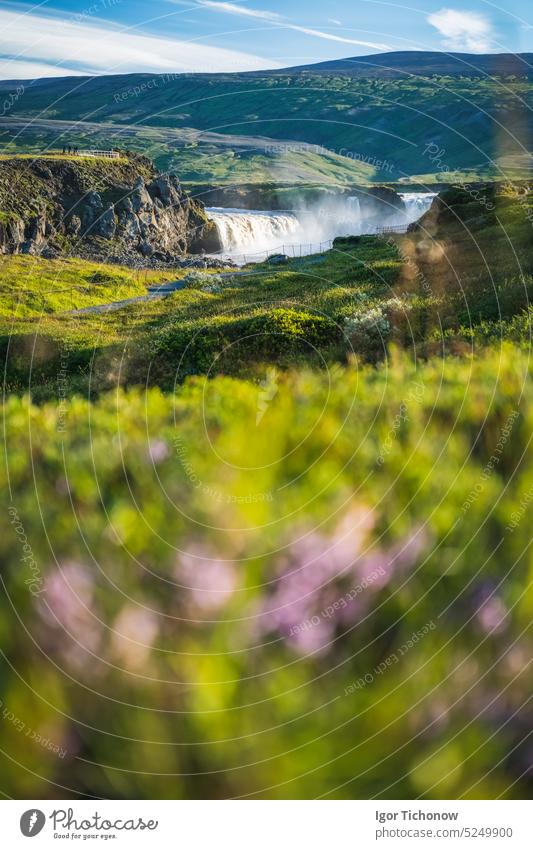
{"x": 72, "y": 151}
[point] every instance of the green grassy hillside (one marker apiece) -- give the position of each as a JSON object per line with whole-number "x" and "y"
{"x": 471, "y": 120}
{"x": 198, "y": 157}
{"x": 459, "y": 282}
{"x": 34, "y": 288}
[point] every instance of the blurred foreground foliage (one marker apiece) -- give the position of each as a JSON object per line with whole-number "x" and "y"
{"x": 319, "y": 584}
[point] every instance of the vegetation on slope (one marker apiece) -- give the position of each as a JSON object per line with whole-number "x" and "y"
{"x": 471, "y": 120}
{"x": 28, "y": 187}
{"x": 170, "y": 535}
{"x": 32, "y": 288}
{"x": 292, "y": 558}
{"x": 199, "y": 157}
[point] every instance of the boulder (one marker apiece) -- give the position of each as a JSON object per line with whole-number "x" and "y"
{"x": 105, "y": 225}
{"x": 73, "y": 225}
{"x": 146, "y": 249}
{"x": 140, "y": 198}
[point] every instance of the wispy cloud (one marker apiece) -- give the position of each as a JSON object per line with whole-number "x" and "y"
{"x": 234, "y": 9}
{"x": 280, "y": 21}
{"x": 470, "y": 31}
{"x": 41, "y": 45}
{"x": 330, "y": 37}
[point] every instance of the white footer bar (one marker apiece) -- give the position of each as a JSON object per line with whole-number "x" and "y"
{"x": 267, "y": 824}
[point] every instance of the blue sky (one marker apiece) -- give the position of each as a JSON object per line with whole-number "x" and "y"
{"x": 62, "y": 37}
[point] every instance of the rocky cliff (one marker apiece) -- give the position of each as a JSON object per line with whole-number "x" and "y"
{"x": 117, "y": 210}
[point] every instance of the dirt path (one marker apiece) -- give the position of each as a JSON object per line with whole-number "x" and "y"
{"x": 154, "y": 293}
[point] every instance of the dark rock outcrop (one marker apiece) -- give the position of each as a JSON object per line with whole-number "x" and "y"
{"x": 99, "y": 208}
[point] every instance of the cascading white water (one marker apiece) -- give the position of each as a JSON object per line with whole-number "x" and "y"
{"x": 309, "y": 229}
{"x": 243, "y": 230}
{"x": 416, "y": 204}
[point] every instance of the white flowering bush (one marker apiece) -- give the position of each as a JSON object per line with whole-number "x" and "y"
{"x": 371, "y": 323}
{"x": 395, "y": 303}
{"x": 213, "y": 284}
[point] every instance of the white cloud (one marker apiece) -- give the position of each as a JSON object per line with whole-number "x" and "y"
{"x": 13, "y": 69}
{"x": 470, "y": 31}
{"x": 51, "y": 46}
{"x": 278, "y": 20}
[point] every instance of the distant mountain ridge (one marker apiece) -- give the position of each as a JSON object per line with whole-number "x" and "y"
{"x": 425, "y": 63}
{"x": 388, "y": 65}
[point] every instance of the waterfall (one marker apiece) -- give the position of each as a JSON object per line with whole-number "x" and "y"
{"x": 244, "y": 230}
{"x": 416, "y": 204}
{"x": 309, "y": 229}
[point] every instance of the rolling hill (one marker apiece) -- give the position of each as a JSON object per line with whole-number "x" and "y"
{"x": 399, "y": 109}
{"x": 198, "y": 157}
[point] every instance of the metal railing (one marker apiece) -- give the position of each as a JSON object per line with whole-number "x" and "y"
{"x": 108, "y": 154}
{"x": 398, "y": 228}
{"x": 294, "y": 251}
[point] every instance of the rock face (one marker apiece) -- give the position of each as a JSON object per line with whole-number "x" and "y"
{"x": 101, "y": 209}
{"x": 376, "y": 199}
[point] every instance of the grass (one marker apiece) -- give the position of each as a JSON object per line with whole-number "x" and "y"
{"x": 163, "y": 330}
{"x": 199, "y": 159}
{"x": 32, "y": 288}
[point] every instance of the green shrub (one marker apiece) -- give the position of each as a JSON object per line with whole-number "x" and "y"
{"x": 289, "y": 331}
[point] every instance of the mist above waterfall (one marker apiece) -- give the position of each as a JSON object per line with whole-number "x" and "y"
{"x": 308, "y": 228}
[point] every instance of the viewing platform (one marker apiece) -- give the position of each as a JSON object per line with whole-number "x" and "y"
{"x": 106, "y": 154}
